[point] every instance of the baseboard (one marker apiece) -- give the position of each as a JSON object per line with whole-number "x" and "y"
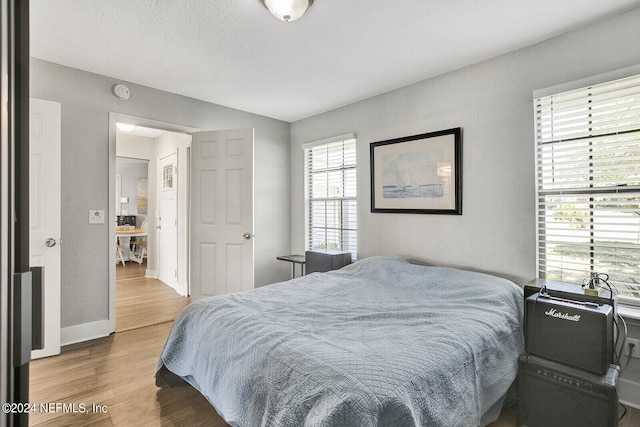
{"x": 180, "y": 289}
{"x": 629, "y": 393}
{"x": 84, "y": 332}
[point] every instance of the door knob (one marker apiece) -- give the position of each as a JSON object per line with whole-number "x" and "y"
{"x": 246, "y": 236}
{"x": 50, "y": 242}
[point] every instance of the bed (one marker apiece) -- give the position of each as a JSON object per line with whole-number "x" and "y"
{"x": 381, "y": 342}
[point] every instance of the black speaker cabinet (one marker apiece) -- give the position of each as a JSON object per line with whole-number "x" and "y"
{"x": 576, "y": 333}
{"x": 552, "y": 394}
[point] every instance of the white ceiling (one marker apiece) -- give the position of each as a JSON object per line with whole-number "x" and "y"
{"x": 234, "y": 53}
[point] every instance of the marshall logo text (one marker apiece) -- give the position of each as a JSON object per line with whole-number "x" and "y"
{"x": 564, "y": 316}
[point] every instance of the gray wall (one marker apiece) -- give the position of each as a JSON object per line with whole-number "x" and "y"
{"x": 87, "y": 100}
{"x": 492, "y": 102}
{"x": 131, "y": 172}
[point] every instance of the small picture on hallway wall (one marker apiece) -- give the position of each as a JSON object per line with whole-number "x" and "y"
{"x": 418, "y": 174}
{"x": 143, "y": 196}
{"x": 167, "y": 177}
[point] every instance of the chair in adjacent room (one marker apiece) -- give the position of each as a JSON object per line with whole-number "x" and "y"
{"x": 139, "y": 246}
{"x": 119, "y": 256}
{"x": 139, "y": 249}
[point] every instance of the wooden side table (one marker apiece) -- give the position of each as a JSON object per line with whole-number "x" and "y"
{"x": 294, "y": 259}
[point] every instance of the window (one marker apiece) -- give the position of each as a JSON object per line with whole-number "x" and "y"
{"x": 588, "y": 184}
{"x": 330, "y": 195}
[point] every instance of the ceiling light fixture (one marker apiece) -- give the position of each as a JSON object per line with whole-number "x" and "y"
{"x": 287, "y": 10}
{"x": 125, "y": 127}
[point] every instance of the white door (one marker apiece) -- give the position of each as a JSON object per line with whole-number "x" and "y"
{"x": 221, "y": 212}
{"x": 167, "y": 224}
{"x": 44, "y": 213}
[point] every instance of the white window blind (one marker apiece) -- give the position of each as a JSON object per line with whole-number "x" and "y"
{"x": 330, "y": 196}
{"x": 588, "y": 184}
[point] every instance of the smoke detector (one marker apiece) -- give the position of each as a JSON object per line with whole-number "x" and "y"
{"x": 121, "y": 91}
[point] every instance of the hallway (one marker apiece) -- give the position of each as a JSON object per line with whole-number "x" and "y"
{"x": 143, "y": 302}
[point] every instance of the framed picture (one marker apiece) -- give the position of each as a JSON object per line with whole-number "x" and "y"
{"x": 167, "y": 177}
{"x": 418, "y": 174}
{"x": 143, "y": 196}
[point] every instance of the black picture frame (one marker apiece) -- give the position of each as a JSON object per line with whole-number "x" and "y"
{"x": 419, "y": 174}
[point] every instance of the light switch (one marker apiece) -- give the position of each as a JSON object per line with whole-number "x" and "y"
{"x": 96, "y": 217}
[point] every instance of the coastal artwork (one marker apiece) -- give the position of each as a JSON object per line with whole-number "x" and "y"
{"x": 417, "y": 174}
{"x": 413, "y": 175}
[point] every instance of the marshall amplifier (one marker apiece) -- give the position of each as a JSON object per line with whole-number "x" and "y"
{"x": 552, "y": 394}
{"x": 576, "y": 333}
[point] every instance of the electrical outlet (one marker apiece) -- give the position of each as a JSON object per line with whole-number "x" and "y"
{"x": 636, "y": 347}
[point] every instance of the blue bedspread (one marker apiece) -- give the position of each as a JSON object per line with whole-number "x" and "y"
{"x": 381, "y": 342}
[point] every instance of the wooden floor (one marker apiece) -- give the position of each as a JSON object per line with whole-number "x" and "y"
{"x": 110, "y": 381}
{"x": 143, "y": 302}
{"x": 117, "y": 373}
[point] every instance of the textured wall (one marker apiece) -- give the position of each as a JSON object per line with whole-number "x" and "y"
{"x": 492, "y": 102}
{"x": 86, "y": 102}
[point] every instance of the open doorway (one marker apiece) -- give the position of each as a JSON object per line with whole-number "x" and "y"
{"x": 141, "y": 181}
{"x": 213, "y": 256}
{"x": 131, "y": 205}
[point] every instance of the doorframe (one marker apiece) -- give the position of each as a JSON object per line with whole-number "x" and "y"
{"x": 138, "y": 121}
{"x": 175, "y": 283}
